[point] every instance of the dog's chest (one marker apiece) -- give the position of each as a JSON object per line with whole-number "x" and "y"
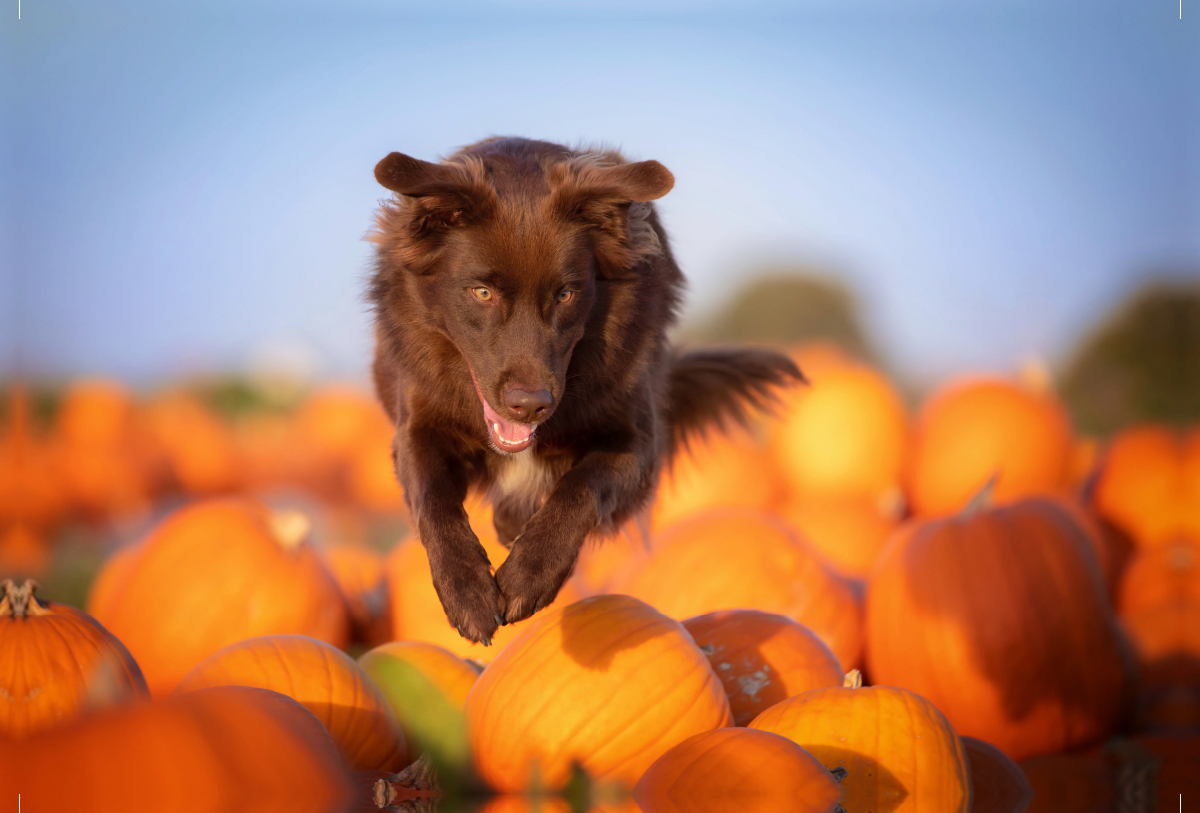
{"x": 522, "y": 477}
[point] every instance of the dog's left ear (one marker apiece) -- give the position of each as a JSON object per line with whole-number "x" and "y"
{"x": 641, "y": 182}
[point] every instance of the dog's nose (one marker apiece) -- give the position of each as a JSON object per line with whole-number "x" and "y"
{"x": 528, "y": 406}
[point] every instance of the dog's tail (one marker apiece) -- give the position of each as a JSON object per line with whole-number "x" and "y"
{"x": 719, "y": 386}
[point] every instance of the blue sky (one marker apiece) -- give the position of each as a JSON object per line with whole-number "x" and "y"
{"x": 188, "y": 191}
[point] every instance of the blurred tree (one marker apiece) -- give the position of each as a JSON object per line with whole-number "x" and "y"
{"x": 785, "y": 308}
{"x": 1140, "y": 363}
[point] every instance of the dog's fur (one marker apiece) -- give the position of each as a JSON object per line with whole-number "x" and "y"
{"x": 534, "y": 223}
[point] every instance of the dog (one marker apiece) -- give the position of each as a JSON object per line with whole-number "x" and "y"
{"x": 523, "y": 292}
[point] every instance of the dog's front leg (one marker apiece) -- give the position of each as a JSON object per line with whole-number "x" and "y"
{"x": 599, "y": 486}
{"x": 435, "y": 485}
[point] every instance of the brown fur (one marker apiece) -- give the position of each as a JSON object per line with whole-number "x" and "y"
{"x": 529, "y": 220}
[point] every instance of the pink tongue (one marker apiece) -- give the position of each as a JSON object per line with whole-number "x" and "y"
{"x": 505, "y": 433}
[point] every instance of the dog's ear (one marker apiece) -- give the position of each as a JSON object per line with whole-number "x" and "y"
{"x": 411, "y": 176}
{"x": 439, "y": 196}
{"x": 640, "y": 182}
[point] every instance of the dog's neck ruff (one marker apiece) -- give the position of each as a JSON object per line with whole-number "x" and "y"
{"x": 507, "y": 436}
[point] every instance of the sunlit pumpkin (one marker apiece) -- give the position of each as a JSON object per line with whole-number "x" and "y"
{"x": 108, "y": 583}
{"x": 718, "y": 470}
{"x": 971, "y": 431}
{"x": 24, "y": 553}
{"x": 899, "y": 752}
{"x": 230, "y": 748}
{"x": 57, "y": 662}
{"x": 737, "y": 769}
{"x": 215, "y": 573}
{"x": 998, "y": 782}
{"x": 607, "y": 682}
{"x": 843, "y": 435}
{"x": 31, "y": 488}
{"x": 360, "y": 574}
{"x": 958, "y": 610}
{"x": 324, "y": 680}
{"x": 198, "y": 448}
{"x": 729, "y": 559}
{"x": 1162, "y": 575}
{"x": 848, "y": 532}
{"x": 333, "y": 425}
{"x": 1144, "y": 485}
{"x": 762, "y": 658}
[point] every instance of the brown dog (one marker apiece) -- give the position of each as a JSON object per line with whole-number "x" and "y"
{"x": 523, "y": 292}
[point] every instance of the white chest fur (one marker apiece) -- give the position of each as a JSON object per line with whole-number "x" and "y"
{"x": 522, "y": 477}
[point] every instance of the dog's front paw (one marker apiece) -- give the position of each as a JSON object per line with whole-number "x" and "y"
{"x": 469, "y": 595}
{"x": 530, "y": 579}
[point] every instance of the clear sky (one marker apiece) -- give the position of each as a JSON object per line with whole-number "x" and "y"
{"x": 188, "y": 191}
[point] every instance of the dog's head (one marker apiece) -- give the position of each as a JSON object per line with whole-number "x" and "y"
{"x": 506, "y": 251}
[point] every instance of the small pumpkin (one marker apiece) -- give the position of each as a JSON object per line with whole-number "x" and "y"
{"x": 737, "y": 769}
{"x": 361, "y": 576}
{"x": 999, "y": 784}
{"x": 1143, "y": 484}
{"x": 57, "y": 661}
{"x": 607, "y": 682}
{"x": 1167, "y": 574}
{"x": 762, "y": 658}
{"x": 848, "y": 532}
{"x": 899, "y": 752}
{"x": 742, "y": 559}
{"x": 324, "y": 680}
{"x": 199, "y": 451}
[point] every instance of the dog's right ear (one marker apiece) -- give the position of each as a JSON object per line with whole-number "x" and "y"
{"x": 439, "y": 197}
{"x": 411, "y": 176}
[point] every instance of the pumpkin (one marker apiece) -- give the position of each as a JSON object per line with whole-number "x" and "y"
{"x": 23, "y": 552}
{"x": 333, "y": 425}
{"x": 899, "y": 752}
{"x": 427, "y": 688}
{"x": 844, "y": 435}
{"x": 324, "y": 680}
{"x": 603, "y": 561}
{"x": 762, "y": 658}
{"x": 718, "y": 470}
{"x": 741, "y": 559}
{"x": 360, "y": 574}
{"x": 371, "y": 476}
{"x": 607, "y": 682}
{"x": 1141, "y": 487}
{"x": 998, "y": 782}
{"x": 57, "y": 661}
{"x": 847, "y": 532}
{"x": 198, "y": 449}
{"x": 1163, "y": 575}
{"x": 972, "y": 431}
{"x": 957, "y": 611}
{"x": 106, "y": 586}
{"x": 230, "y": 748}
{"x": 31, "y": 488}
{"x": 1166, "y": 638}
{"x": 1063, "y": 783}
{"x": 215, "y": 573}
{"x": 737, "y": 769}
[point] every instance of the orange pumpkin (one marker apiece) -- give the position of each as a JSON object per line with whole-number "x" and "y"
{"x": 31, "y": 487}
{"x": 215, "y": 573}
{"x": 957, "y": 612}
{"x": 848, "y": 532}
{"x": 231, "y": 748}
{"x": 741, "y": 559}
{"x": 1063, "y": 783}
{"x": 1166, "y": 638}
{"x": 324, "y": 680}
{"x": 333, "y": 426}
{"x": 971, "y": 431}
{"x": 1162, "y": 575}
{"x": 23, "y": 552}
{"x": 900, "y": 753}
{"x": 844, "y": 435}
{"x": 607, "y": 682}
{"x": 107, "y": 585}
{"x": 737, "y": 769}
{"x": 719, "y": 470}
{"x": 1141, "y": 487}
{"x": 998, "y": 783}
{"x": 360, "y": 574}
{"x": 57, "y": 661}
{"x": 762, "y": 658}
{"x": 199, "y": 450}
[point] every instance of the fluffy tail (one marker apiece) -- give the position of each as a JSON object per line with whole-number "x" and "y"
{"x": 721, "y": 385}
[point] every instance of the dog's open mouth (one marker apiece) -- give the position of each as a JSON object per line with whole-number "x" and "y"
{"x": 507, "y": 436}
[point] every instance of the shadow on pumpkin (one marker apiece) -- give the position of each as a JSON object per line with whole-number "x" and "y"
{"x": 370, "y": 728}
{"x": 582, "y": 643}
{"x": 868, "y": 787}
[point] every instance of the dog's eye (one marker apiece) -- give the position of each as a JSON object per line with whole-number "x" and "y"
{"x": 482, "y": 294}
{"x": 565, "y": 297}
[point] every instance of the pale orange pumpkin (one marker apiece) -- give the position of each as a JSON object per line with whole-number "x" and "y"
{"x": 216, "y": 750}
{"x": 999, "y": 784}
{"x": 730, "y": 558}
{"x": 324, "y": 680}
{"x": 215, "y": 573}
{"x": 971, "y": 431}
{"x": 1166, "y": 574}
{"x": 109, "y": 580}
{"x": 198, "y": 448}
{"x": 957, "y": 612}
{"x": 848, "y": 532}
{"x": 1143, "y": 485}
{"x": 361, "y": 575}
{"x": 24, "y": 553}
{"x": 737, "y": 769}
{"x": 607, "y": 682}
{"x": 762, "y": 658}
{"x": 899, "y": 752}
{"x": 844, "y": 435}
{"x": 57, "y": 662}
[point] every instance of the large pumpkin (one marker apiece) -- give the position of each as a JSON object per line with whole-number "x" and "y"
{"x": 971, "y": 431}
{"x": 324, "y": 680}
{"x": 737, "y": 769}
{"x": 899, "y": 752}
{"x": 215, "y": 573}
{"x": 1000, "y": 618}
{"x": 999, "y": 784}
{"x": 729, "y": 559}
{"x": 844, "y": 435}
{"x": 212, "y": 751}
{"x": 57, "y": 661}
{"x": 762, "y": 658}
{"x": 848, "y": 532}
{"x": 607, "y": 682}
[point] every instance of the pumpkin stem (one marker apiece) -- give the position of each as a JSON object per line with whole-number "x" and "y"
{"x": 289, "y": 527}
{"x": 839, "y": 773}
{"x": 383, "y": 794}
{"x": 20, "y": 602}
{"x": 853, "y": 680}
{"x": 983, "y": 498}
